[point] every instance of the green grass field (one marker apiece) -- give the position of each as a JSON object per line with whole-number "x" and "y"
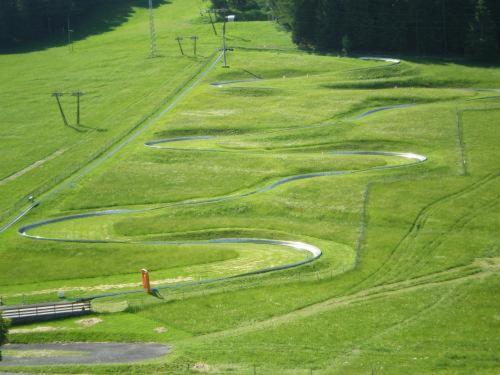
{"x": 409, "y": 275}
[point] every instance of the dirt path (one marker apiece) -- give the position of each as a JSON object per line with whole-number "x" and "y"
{"x": 36, "y": 164}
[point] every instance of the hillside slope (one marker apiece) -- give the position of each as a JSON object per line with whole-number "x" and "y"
{"x": 389, "y": 168}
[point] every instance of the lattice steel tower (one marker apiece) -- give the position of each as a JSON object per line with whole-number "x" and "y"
{"x": 152, "y": 31}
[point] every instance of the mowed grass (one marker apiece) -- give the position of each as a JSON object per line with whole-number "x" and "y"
{"x": 409, "y": 271}
{"x": 123, "y": 86}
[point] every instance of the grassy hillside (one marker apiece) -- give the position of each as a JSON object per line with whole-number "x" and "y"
{"x": 122, "y": 87}
{"x": 408, "y": 276}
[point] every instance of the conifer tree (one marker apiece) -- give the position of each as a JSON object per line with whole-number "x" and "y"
{"x": 3, "y": 334}
{"x": 305, "y": 22}
{"x": 481, "y": 39}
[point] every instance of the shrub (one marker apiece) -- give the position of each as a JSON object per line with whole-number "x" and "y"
{"x": 3, "y": 333}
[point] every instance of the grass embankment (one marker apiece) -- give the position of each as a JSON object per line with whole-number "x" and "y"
{"x": 410, "y": 262}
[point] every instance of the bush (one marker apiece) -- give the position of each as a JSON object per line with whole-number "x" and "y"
{"x": 3, "y": 333}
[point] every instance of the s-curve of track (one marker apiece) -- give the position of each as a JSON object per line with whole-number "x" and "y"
{"x": 311, "y": 252}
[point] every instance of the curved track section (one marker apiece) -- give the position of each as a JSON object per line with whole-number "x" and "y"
{"x": 390, "y": 61}
{"x": 225, "y": 83}
{"x": 311, "y": 252}
{"x": 380, "y": 109}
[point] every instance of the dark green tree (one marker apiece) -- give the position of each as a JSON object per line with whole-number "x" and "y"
{"x": 243, "y": 9}
{"x": 346, "y": 45}
{"x": 305, "y": 22}
{"x": 3, "y": 333}
{"x": 8, "y": 20}
{"x": 282, "y": 11}
{"x": 328, "y": 24}
{"x": 494, "y": 7}
{"x": 23, "y": 21}
{"x": 481, "y": 39}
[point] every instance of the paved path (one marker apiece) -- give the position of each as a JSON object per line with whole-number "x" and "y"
{"x": 80, "y": 353}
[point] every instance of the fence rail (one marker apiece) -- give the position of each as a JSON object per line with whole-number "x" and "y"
{"x": 45, "y": 311}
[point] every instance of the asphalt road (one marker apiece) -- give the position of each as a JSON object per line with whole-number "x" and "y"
{"x": 80, "y": 353}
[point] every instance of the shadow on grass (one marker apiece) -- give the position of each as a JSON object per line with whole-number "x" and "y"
{"x": 107, "y": 17}
{"x": 456, "y": 60}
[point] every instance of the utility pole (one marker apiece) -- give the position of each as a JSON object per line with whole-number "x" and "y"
{"x": 152, "y": 31}
{"x": 194, "y": 38}
{"x": 224, "y": 49}
{"x": 212, "y": 21}
{"x": 57, "y": 95}
{"x": 179, "y": 38}
{"x": 229, "y": 18}
{"x": 78, "y": 94}
{"x": 215, "y": 12}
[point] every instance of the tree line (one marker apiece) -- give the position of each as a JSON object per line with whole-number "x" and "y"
{"x": 26, "y": 20}
{"x": 463, "y": 27}
{"x": 244, "y": 10}
{"x": 439, "y": 27}
{"x": 458, "y": 27}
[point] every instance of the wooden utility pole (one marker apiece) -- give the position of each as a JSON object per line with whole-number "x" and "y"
{"x": 78, "y": 94}
{"x": 57, "y": 95}
{"x": 179, "y": 39}
{"x": 212, "y": 21}
{"x": 194, "y": 38}
{"x": 215, "y": 12}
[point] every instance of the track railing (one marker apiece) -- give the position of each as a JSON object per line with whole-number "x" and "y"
{"x": 45, "y": 311}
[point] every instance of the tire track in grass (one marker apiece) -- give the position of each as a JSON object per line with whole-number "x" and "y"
{"x": 461, "y": 143}
{"x": 460, "y": 140}
{"x": 418, "y": 223}
{"x": 461, "y": 223}
{"x": 452, "y": 294}
{"x": 410, "y": 262}
{"x": 483, "y": 270}
{"x": 362, "y": 224}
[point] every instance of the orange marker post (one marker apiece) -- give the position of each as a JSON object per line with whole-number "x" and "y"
{"x": 145, "y": 280}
